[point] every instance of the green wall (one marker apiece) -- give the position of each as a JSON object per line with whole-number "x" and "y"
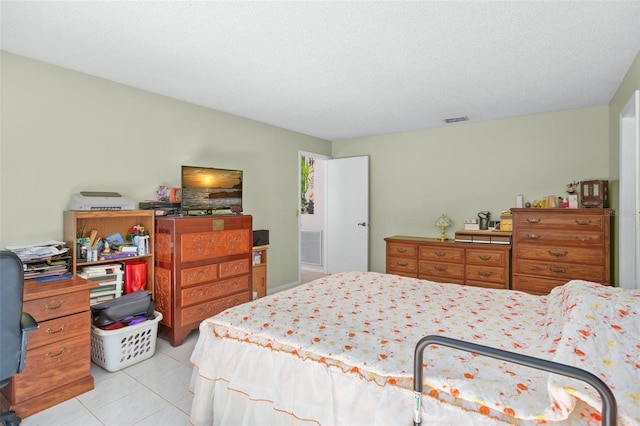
{"x": 63, "y": 132}
{"x": 462, "y": 169}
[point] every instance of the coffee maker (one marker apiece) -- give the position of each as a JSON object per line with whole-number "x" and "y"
{"x": 484, "y": 220}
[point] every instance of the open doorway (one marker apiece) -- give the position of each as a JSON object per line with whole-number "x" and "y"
{"x": 334, "y": 219}
{"x": 312, "y": 221}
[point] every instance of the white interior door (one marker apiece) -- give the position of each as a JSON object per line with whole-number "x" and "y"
{"x": 629, "y": 214}
{"x": 347, "y": 226}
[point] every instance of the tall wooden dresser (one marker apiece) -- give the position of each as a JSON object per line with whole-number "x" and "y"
{"x": 203, "y": 265}
{"x": 554, "y": 246}
{"x": 58, "y": 362}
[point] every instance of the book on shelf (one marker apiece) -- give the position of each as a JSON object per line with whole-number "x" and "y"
{"x": 116, "y": 255}
{"x": 101, "y": 269}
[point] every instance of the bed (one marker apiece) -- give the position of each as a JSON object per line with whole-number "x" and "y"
{"x": 340, "y": 350}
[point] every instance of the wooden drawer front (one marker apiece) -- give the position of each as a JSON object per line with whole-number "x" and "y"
{"x": 162, "y": 246}
{"x": 52, "y": 366}
{"x": 207, "y": 245}
{"x": 198, "y": 275}
{"x": 445, "y": 272}
{"x": 210, "y": 291}
{"x": 535, "y": 285}
{"x": 561, "y": 254}
{"x": 402, "y": 250}
{"x": 197, "y": 313}
{"x": 584, "y": 222}
{"x": 235, "y": 267}
{"x": 563, "y": 271}
{"x": 492, "y": 274}
{"x": 441, "y": 254}
{"x": 547, "y": 236}
{"x": 486, "y": 257}
{"x": 163, "y": 294}
{"x": 402, "y": 266}
{"x": 52, "y": 331}
{"x": 57, "y": 306}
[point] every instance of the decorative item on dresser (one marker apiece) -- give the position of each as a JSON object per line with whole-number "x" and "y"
{"x": 203, "y": 265}
{"x": 58, "y": 365}
{"x": 481, "y": 265}
{"x": 554, "y": 246}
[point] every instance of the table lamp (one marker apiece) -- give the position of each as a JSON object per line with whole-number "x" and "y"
{"x": 443, "y": 222}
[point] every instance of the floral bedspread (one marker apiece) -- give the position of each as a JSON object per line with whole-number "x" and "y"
{"x": 367, "y": 324}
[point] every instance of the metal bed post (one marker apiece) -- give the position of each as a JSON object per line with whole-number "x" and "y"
{"x": 609, "y": 405}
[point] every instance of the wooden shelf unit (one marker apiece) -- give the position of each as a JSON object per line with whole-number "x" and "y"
{"x": 260, "y": 270}
{"x": 107, "y": 223}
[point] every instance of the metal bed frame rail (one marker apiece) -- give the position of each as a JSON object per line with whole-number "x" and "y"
{"x": 609, "y": 406}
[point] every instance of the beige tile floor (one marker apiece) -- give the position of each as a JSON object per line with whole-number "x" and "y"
{"x": 152, "y": 392}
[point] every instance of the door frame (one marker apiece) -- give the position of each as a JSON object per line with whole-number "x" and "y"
{"x": 299, "y": 214}
{"x": 629, "y": 195}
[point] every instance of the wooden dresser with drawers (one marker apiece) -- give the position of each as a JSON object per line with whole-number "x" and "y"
{"x": 481, "y": 265}
{"x": 203, "y": 265}
{"x": 58, "y": 362}
{"x": 553, "y": 246}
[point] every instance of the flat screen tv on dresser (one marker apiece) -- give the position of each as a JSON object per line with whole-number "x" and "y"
{"x": 208, "y": 188}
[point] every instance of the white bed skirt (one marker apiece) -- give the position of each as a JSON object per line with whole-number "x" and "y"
{"x": 237, "y": 383}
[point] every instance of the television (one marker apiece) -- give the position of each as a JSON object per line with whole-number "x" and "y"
{"x": 208, "y": 188}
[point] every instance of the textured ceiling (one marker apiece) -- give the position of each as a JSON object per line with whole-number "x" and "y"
{"x": 339, "y": 70}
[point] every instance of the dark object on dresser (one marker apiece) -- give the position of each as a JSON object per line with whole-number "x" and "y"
{"x": 15, "y": 326}
{"x": 261, "y": 237}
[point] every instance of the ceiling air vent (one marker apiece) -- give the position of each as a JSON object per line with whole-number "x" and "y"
{"x": 456, "y": 119}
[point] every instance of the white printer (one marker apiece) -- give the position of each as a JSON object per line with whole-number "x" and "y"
{"x": 100, "y": 201}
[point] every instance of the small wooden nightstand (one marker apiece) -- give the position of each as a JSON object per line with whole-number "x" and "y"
{"x": 260, "y": 270}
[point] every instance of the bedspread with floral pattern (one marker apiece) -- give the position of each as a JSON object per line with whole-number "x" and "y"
{"x": 367, "y": 324}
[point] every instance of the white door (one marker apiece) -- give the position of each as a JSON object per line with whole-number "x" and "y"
{"x": 628, "y": 216}
{"x": 347, "y": 226}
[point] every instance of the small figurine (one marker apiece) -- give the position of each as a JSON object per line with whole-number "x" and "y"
{"x": 571, "y": 187}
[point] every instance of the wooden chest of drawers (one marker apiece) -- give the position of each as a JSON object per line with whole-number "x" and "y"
{"x": 58, "y": 362}
{"x": 554, "y": 246}
{"x": 202, "y": 267}
{"x": 482, "y": 265}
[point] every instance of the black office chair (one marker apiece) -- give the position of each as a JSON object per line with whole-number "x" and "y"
{"x": 15, "y": 325}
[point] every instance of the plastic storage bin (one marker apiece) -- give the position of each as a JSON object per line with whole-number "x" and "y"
{"x": 116, "y": 349}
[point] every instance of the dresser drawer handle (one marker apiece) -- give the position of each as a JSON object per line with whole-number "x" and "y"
{"x": 533, "y": 236}
{"x": 583, "y": 222}
{"x": 557, "y": 270}
{"x": 59, "y": 354}
{"x": 62, "y": 328}
{"x": 485, "y": 258}
{"x": 403, "y": 265}
{"x": 440, "y": 253}
{"x": 485, "y": 274}
{"x": 55, "y": 307}
{"x": 529, "y": 220}
{"x": 584, "y": 238}
{"x": 440, "y": 268}
{"x": 557, "y": 254}
{"x": 401, "y": 250}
